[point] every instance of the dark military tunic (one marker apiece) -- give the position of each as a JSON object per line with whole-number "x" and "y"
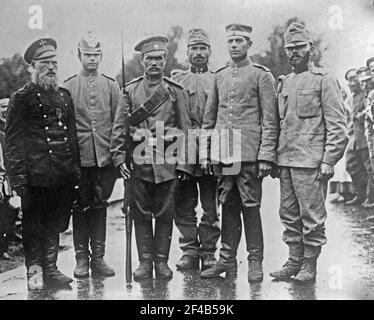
{"x": 41, "y": 138}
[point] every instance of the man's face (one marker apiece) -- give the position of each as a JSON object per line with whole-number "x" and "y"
{"x": 198, "y": 55}
{"x": 238, "y": 47}
{"x": 299, "y": 55}
{"x": 352, "y": 81}
{"x": 90, "y": 60}
{"x": 154, "y": 63}
{"x": 371, "y": 67}
{"x": 46, "y": 73}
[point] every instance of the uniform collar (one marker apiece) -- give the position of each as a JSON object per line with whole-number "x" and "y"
{"x": 199, "y": 70}
{"x": 240, "y": 64}
{"x": 85, "y": 73}
{"x": 151, "y": 82}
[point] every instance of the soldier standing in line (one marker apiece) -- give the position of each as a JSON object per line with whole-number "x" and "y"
{"x": 96, "y": 97}
{"x": 197, "y": 242}
{"x": 42, "y": 162}
{"x": 358, "y": 159}
{"x": 313, "y": 137}
{"x": 241, "y": 99}
{"x": 158, "y": 106}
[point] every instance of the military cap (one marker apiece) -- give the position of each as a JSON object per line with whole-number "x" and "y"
{"x": 40, "y": 49}
{"x": 364, "y": 73}
{"x": 348, "y": 71}
{"x": 197, "y": 36}
{"x": 238, "y": 30}
{"x": 296, "y": 35}
{"x": 89, "y": 43}
{"x": 155, "y": 43}
{"x": 3, "y": 108}
{"x": 370, "y": 60}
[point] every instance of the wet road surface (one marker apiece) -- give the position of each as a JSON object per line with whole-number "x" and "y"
{"x": 345, "y": 267}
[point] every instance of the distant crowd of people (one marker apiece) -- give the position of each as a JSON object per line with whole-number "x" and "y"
{"x": 353, "y": 182}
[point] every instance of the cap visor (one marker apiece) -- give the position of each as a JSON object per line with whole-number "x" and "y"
{"x": 296, "y": 44}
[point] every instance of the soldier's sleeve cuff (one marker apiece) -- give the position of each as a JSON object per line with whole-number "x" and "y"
{"x": 119, "y": 159}
{"x": 186, "y": 168}
{"x": 329, "y": 160}
{"x": 265, "y": 156}
{"x": 19, "y": 180}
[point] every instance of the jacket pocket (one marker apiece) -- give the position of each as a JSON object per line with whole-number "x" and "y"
{"x": 308, "y": 103}
{"x": 282, "y": 101}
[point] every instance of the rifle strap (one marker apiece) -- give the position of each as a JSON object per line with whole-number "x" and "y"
{"x": 148, "y": 107}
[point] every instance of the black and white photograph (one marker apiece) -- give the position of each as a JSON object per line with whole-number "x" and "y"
{"x": 184, "y": 150}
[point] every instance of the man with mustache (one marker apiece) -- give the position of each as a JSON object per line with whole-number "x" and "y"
{"x": 42, "y": 162}
{"x": 158, "y": 107}
{"x": 241, "y": 110}
{"x": 197, "y": 242}
{"x": 96, "y": 97}
{"x": 313, "y": 136}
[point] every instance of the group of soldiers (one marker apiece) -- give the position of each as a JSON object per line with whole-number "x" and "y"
{"x": 360, "y": 149}
{"x": 65, "y": 146}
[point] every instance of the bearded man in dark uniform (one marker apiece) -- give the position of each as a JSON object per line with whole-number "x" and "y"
{"x": 42, "y": 162}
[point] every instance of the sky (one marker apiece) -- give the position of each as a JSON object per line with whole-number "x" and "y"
{"x": 346, "y": 26}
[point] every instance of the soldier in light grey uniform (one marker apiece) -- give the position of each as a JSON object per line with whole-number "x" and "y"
{"x": 313, "y": 137}
{"x": 96, "y": 97}
{"x": 241, "y": 119}
{"x": 197, "y": 241}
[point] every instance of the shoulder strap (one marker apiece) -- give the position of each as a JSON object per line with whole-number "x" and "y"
{"x": 148, "y": 107}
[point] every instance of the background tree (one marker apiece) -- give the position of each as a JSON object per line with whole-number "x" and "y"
{"x": 14, "y": 74}
{"x": 275, "y": 58}
{"x": 133, "y": 67}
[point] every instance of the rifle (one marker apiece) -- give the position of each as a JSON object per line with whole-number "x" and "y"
{"x": 126, "y": 200}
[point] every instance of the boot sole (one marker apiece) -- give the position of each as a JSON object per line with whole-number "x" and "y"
{"x": 281, "y": 278}
{"x": 158, "y": 276}
{"x": 305, "y": 281}
{"x": 81, "y": 276}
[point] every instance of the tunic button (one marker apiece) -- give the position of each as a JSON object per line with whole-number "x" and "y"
{"x": 94, "y": 122}
{"x": 232, "y": 100}
{"x": 48, "y": 139}
{"x": 46, "y": 128}
{"x": 93, "y": 115}
{"x": 45, "y": 116}
{"x": 50, "y": 151}
{"x": 65, "y": 138}
{"x": 40, "y": 105}
{"x": 61, "y": 94}
{"x": 66, "y": 105}
{"x": 232, "y": 92}
{"x": 94, "y": 130}
{"x": 65, "y": 127}
{"x": 92, "y": 101}
{"x": 38, "y": 94}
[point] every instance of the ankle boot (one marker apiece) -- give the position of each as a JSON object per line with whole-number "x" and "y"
{"x": 230, "y": 268}
{"x": 255, "y": 243}
{"x": 80, "y": 238}
{"x": 161, "y": 248}
{"x": 144, "y": 239}
{"x": 308, "y": 270}
{"x": 98, "y": 235}
{"x": 52, "y": 276}
{"x": 293, "y": 265}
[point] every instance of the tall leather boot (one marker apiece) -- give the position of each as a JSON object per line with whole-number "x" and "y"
{"x": 161, "y": 248}
{"x": 230, "y": 238}
{"x": 360, "y": 183}
{"x": 255, "y": 243}
{"x": 52, "y": 276}
{"x": 144, "y": 240}
{"x": 97, "y": 237}
{"x": 32, "y": 248}
{"x": 81, "y": 238}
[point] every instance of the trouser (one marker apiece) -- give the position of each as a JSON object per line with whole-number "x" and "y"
{"x": 198, "y": 239}
{"x": 7, "y": 224}
{"x": 90, "y": 211}
{"x": 46, "y": 213}
{"x": 241, "y": 194}
{"x": 149, "y": 200}
{"x": 359, "y": 167}
{"x": 302, "y": 210}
